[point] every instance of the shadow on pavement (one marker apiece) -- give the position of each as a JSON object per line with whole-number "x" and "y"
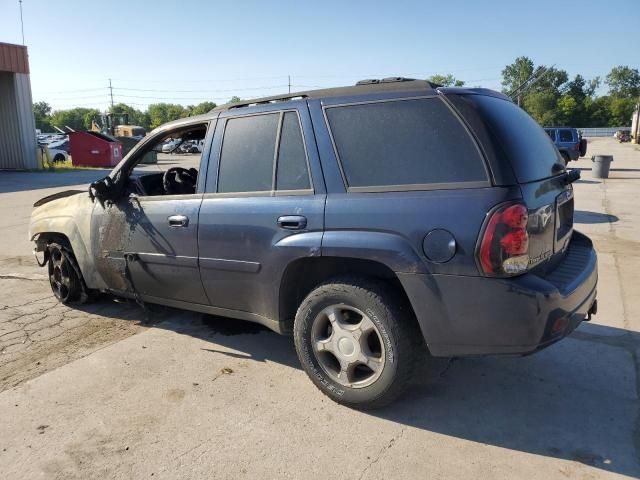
{"x": 576, "y": 400}
{"x": 583, "y": 216}
{"x": 22, "y": 181}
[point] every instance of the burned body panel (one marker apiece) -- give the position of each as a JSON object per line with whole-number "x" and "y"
{"x": 137, "y": 251}
{"x": 69, "y": 216}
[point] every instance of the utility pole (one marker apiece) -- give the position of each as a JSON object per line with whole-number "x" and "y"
{"x": 289, "y": 77}
{"x": 21, "y": 22}
{"x": 111, "y": 93}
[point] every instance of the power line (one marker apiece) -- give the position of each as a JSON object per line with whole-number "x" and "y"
{"x": 198, "y": 91}
{"x": 77, "y": 90}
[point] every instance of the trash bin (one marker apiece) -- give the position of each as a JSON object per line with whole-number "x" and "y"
{"x": 93, "y": 149}
{"x": 601, "y": 164}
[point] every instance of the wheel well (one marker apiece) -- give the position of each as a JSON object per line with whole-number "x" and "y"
{"x": 45, "y": 238}
{"x": 303, "y": 275}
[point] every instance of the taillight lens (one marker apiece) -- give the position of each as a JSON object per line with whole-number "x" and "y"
{"x": 504, "y": 248}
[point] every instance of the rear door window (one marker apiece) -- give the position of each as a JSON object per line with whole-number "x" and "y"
{"x": 565, "y": 135}
{"x": 524, "y": 143}
{"x": 246, "y": 159}
{"x": 292, "y": 171}
{"x": 403, "y": 143}
{"x": 263, "y": 153}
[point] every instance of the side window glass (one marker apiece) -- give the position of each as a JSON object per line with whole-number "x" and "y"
{"x": 404, "y": 142}
{"x": 552, "y": 134}
{"x": 292, "y": 171}
{"x": 246, "y": 159}
{"x": 566, "y": 136}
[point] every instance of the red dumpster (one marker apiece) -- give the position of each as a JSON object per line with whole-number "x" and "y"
{"x": 93, "y": 149}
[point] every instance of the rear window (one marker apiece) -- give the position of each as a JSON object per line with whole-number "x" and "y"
{"x": 403, "y": 143}
{"x": 525, "y": 143}
{"x": 566, "y": 135}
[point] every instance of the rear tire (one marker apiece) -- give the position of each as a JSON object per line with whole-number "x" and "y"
{"x": 565, "y": 157}
{"x": 59, "y": 158}
{"x": 357, "y": 341}
{"x": 583, "y": 147}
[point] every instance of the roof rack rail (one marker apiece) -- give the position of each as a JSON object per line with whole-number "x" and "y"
{"x": 363, "y": 86}
{"x": 266, "y": 100}
{"x": 397, "y": 79}
{"x": 370, "y": 81}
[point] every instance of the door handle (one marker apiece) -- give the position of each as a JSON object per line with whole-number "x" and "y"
{"x": 292, "y": 222}
{"x": 178, "y": 221}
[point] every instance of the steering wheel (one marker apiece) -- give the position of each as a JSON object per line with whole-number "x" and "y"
{"x": 178, "y": 180}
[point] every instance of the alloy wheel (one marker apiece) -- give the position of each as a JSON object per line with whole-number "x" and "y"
{"x": 348, "y": 346}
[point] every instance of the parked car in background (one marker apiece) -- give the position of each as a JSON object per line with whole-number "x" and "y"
{"x": 57, "y": 155}
{"x": 569, "y": 141}
{"x": 623, "y": 136}
{"x": 62, "y": 144}
{"x": 190, "y": 146}
{"x": 374, "y": 223}
{"x": 170, "y": 145}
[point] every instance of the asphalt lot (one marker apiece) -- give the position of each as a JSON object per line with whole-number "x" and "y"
{"x": 105, "y": 392}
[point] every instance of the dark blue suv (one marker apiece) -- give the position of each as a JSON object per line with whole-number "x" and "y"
{"x": 372, "y": 222}
{"x": 569, "y": 142}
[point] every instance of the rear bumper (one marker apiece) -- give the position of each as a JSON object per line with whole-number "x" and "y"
{"x": 485, "y": 316}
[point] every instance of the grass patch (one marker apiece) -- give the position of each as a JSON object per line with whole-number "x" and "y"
{"x": 62, "y": 167}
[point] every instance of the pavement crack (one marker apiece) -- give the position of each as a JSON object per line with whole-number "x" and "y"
{"x": 19, "y": 276}
{"x": 382, "y": 452}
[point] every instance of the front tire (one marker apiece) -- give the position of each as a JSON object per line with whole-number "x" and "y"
{"x": 64, "y": 275}
{"x": 357, "y": 342}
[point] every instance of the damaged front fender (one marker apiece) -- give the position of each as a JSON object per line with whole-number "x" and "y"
{"x": 69, "y": 215}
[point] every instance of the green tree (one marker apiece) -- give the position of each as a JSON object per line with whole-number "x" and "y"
{"x": 136, "y": 117}
{"x": 543, "y": 107}
{"x": 623, "y": 82}
{"x": 548, "y": 79}
{"x": 597, "y": 111}
{"x": 235, "y": 99}
{"x": 203, "y": 107}
{"x": 568, "y": 111}
{"x": 75, "y": 118}
{"x": 160, "y": 113}
{"x": 447, "y": 80}
{"x": 42, "y": 113}
{"x": 515, "y": 75}
{"x": 620, "y": 111}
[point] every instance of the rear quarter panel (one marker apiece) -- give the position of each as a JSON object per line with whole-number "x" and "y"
{"x": 390, "y": 227}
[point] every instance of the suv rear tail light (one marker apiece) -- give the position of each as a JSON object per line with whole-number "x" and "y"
{"x": 504, "y": 246}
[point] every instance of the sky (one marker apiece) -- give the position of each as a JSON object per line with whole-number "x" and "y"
{"x": 190, "y": 51}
